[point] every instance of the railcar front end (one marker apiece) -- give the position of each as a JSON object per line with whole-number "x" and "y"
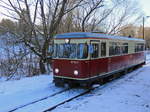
{"x": 71, "y": 62}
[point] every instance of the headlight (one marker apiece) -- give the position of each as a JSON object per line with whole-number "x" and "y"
{"x": 56, "y": 70}
{"x": 76, "y": 72}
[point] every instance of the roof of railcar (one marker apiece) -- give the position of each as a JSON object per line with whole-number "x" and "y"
{"x": 78, "y": 35}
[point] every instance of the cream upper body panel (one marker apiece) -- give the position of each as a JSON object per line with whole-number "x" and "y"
{"x": 88, "y": 38}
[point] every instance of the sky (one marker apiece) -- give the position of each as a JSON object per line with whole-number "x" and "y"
{"x": 145, "y": 6}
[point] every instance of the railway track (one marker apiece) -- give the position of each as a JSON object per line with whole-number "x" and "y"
{"x": 70, "y": 99}
{"x": 27, "y": 104}
{"x": 50, "y": 102}
{"x": 88, "y": 91}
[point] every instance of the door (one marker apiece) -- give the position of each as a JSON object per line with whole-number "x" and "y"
{"x": 94, "y": 51}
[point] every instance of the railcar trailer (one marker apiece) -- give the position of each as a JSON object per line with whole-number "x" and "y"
{"x": 84, "y": 58}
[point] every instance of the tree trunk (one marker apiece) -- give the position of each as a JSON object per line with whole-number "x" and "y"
{"x": 42, "y": 67}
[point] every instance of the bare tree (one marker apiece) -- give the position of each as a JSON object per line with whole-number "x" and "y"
{"x": 129, "y": 30}
{"x": 89, "y": 8}
{"x": 86, "y": 14}
{"x": 39, "y": 21}
{"x": 7, "y": 24}
{"x": 107, "y": 16}
{"x": 12, "y": 56}
{"x": 124, "y": 13}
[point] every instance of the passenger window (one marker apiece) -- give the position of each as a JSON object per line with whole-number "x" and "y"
{"x": 139, "y": 47}
{"x": 117, "y": 50}
{"x": 112, "y": 48}
{"x": 95, "y": 50}
{"x": 103, "y": 49}
{"x": 125, "y": 48}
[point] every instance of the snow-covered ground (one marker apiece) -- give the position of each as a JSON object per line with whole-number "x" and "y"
{"x": 130, "y": 93}
{"x": 20, "y": 92}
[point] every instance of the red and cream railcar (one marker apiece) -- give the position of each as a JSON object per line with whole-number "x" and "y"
{"x": 83, "y": 57}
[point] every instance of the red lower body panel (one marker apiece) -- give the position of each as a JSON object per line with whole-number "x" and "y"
{"x": 95, "y": 67}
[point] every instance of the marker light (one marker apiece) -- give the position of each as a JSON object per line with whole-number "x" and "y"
{"x": 76, "y": 72}
{"x": 67, "y": 41}
{"x": 56, "y": 70}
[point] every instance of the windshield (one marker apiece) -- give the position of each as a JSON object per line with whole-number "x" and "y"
{"x": 66, "y": 50}
{"x": 73, "y": 51}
